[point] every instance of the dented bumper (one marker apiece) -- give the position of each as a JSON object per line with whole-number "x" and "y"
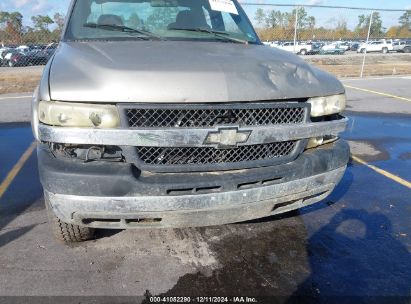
{"x": 104, "y": 195}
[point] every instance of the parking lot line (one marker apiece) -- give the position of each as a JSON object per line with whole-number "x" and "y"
{"x": 374, "y": 78}
{"x": 379, "y": 93}
{"x": 16, "y": 169}
{"x": 15, "y": 97}
{"x": 387, "y": 174}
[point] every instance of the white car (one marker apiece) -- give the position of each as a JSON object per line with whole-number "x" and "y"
{"x": 376, "y": 46}
{"x": 330, "y": 46}
{"x": 301, "y": 49}
{"x": 271, "y": 43}
{"x": 24, "y": 49}
{"x": 343, "y": 45}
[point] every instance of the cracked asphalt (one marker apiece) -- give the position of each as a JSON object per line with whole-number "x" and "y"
{"x": 356, "y": 243}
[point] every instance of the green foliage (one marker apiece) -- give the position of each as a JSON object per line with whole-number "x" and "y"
{"x": 12, "y": 30}
{"x": 405, "y": 20}
{"x": 303, "y": 18}
{"x": 274, "y": 19}
{"x": 14, "y": 19}
{"x": 377, "y": 30}
{"x": 59, "y": 21}
{"x": 260, "y": 16}
{"x": 41, "y": 22}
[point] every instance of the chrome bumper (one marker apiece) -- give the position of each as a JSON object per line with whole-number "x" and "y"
{"x": 185, "y": 137}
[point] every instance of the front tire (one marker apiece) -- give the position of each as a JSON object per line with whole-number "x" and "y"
{"x": 362, "y": 51}
{"x": 67, "y": 233}
{"x": 303, "y": 52}
{"x": 384, "y": 50}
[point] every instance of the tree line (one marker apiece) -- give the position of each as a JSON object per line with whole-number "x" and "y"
{"x": 44, "y": 29}
{"x": 277, "y": 25}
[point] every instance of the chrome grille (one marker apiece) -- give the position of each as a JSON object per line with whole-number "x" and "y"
{"x": 190, "y": 116}
{"x": 209, "y": 155}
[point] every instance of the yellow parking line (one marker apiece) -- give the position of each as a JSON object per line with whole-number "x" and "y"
{"x": 387, "y": 174}
{"x": 379, "y": 93}
{"x": 16, "y": 169}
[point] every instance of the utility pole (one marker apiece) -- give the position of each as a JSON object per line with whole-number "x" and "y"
{"x": 295, "y": 29}
{"x": 366, "y": 44}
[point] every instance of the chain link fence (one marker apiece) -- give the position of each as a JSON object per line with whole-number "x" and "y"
{"x": 365, "y": 36}
{"x": 345, "y": 41}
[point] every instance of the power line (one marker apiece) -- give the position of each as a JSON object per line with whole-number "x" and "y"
{"x": 325, "y": 6}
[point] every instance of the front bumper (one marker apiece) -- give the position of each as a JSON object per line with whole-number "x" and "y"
{"x": 104, "y": 195}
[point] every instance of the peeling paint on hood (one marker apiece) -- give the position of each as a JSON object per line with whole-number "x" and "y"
{"x": 179, "y": 72}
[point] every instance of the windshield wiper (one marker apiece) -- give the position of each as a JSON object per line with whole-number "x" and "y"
{"x": 122, "y": 28}
{"x": 218, "y": 34}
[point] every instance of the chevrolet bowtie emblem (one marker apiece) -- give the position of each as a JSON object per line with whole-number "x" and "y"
{"x": 227, "y": 138}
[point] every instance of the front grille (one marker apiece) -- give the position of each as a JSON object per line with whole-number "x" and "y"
{"x": 254, "y": 114}
{"x": 208, "y": 155}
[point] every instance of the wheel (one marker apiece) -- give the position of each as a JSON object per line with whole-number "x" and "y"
{"x": 362, "y": 51}
{"x": 10, "y": 64}
{"x": 67, "y": 233}
{"x": 303, "y": 52}
{"x": 407, "y": 50}
{"x": 384, "y": 50}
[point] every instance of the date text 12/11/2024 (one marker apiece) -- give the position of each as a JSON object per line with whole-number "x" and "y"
{"x": 203, "y": 300}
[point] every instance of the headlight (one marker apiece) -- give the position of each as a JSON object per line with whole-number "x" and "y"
{"x": 321, "y": 106}
{"x": 78, "y": 115}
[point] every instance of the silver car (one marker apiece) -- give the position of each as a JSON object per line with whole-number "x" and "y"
{"x": 172, "y": 113}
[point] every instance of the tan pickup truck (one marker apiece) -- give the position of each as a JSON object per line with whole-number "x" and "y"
{"x": 171, "y": 113}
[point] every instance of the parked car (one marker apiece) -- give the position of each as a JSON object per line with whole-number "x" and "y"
{"x": 354, "y": 46}
{"x": 315, "y": 48}
{"x": 3, "y": 50}
{"x": 375, "y": 46}
{"x": 24, "y": 56}
{"x": 330, "y": 46}
{"x": 332, "y": 49}
{"x": 7, "y": 56}
{"x": 343, "y": 45}
{"x": 299, "y": 48}
{"x": 403, "y": 46}
{"x": 40, "y": 57}
{"x": 180, "y": 124}
{"x": 17, "y": 59}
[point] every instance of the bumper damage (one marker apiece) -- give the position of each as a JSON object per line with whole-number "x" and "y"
{"x": 142, "y": 204}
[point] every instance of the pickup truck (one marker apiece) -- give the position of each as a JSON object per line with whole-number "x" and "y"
{"x": 299, "y": 48}
{"x": 172, "y": 113}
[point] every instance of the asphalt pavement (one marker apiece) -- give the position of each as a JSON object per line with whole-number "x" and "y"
{"x": 355, "y": 243}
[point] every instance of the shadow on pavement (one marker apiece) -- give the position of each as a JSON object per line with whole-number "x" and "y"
{"x": 14, "y": 234}
{"x": 356, "y": 255}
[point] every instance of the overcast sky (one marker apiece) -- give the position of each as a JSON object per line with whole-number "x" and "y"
{"x": 324, "y": 17}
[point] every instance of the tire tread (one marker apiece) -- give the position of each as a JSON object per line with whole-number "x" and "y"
{"x": 65, "y": 232}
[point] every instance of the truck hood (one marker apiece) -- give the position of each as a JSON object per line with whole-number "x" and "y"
{"x": 180, "y": 72}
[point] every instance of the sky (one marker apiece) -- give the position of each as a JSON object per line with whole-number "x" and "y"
{"x": 324, "y": 16}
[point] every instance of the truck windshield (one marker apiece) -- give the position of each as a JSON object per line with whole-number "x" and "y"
{"x": 219, "y": 20}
